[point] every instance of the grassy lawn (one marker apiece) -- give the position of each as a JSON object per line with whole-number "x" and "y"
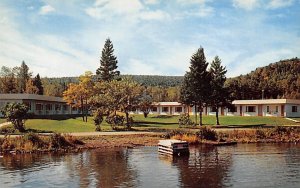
{"x": 298, "y": 119}
{"x": 2, "y": 120}
{"x": 63, "y": 126}
{"x": 162, "y": 122}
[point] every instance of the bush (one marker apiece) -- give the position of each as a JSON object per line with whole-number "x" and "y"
{"x": 7, "y": 129}
{"x": 98, "y": 118}
{"x": 207, "y": 133}
{"x": 58, "y": 141}
{"x": 34, "y": 138}
{"x": 174, "y": 132}
{"x": 260, "y": 133}
{"x": 185, "y": 121}
{"x": 115, "y": 120}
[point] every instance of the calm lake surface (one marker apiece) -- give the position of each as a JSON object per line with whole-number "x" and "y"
{"x": 243, "y": 165}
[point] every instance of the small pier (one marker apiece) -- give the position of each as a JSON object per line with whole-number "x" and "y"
{"x": 173, "y": 147}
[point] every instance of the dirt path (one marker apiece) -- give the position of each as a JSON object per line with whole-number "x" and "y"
{"x": 4, "y": 124}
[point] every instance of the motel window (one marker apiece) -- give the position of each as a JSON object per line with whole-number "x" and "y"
{"x": 65, "y": 107}
{"x": 165, "y": 109}
{"x": 39, "y": 106}
{"x": 232, "y": 109}
{"x": 250, "y": 109}
{"x": 213, "y": 109}
{"x": 48, "y": 106}
{"x": 57, "y": 107}
{"x": 178, "y": 109}
{"x": 154, "y": 109}
{"x": 294, "y": 109}
{"x": 276, "y": 110}
{"x": 28, "y": 104}
{"x": 268, "y": 108}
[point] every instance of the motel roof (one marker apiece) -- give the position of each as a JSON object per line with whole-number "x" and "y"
{"x": 24, "y": 96}
{"x": 267, "y": 101}
{"x": 167, "y": 103}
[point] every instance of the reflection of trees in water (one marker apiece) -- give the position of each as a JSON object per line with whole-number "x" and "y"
{"x": 23, "y": 164}
{"x": 109, "y": 168}
{"x": 205, "y": 167}
{"x": 27, "y": 161}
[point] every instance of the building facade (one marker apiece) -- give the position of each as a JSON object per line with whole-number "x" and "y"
{"x": 39, "y": 104}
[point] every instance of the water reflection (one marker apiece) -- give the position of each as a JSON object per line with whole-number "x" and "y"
{"x": 205, "y": 167}
{"x": 244, "y": 165}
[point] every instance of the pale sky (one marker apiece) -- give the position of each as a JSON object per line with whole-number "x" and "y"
{"x": 65, "y": 37}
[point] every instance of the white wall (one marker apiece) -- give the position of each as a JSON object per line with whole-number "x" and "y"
{"x": 272, "y": 110}
{"x": 288, "y": 110}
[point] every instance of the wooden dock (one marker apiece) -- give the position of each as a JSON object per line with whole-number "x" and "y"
{"x": 173, "y": 147}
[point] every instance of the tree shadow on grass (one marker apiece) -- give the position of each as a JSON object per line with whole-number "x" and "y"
{"x": 37, "y": 131}
{"x": 162, "y": 116}
{"x": 243, "y": 126}
{"x": 149, "y": 124}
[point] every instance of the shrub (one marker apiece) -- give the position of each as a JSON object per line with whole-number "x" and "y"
{"x": 58, "y": 141}
{"x": 115, "y": 120}
{"x": 98, "y": 118}
{"x": 34, "y": 138}
{"x": 185, "y": 121}
{"x": 7, "y": 129}
{"x": 260, "y": 133}
{"x": 207, "y": 134}
{"x": 174, "y": 132}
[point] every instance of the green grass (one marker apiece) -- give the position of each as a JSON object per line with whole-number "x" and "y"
{"x": 61, "y": 126}
{"x": 151, "y": 122}
{"x": 298, "y": 119}
{"x": 2, "y": 120}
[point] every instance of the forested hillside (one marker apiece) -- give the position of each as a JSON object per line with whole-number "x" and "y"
{"x": 277, "y": 80}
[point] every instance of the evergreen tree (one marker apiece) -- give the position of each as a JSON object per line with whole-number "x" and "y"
{"x": 196, "y": 86}
{"x": 23, "y": 77}
{"x": 219, "y": 93}
{"x": 108, "y": 63}
{"x": 38, "y": 83}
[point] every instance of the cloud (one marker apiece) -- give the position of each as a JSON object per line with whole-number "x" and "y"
{"x": 245, "y": 4}
{"x": 151, "y": 2}
{"x": 132, "y": 9}
{"x": 274, "y": 4}
{"x": 154, "y": 15}
{"x": 46, "y": 9}
{"x": 137, "y": 67}
{"x": 191, "y": 1}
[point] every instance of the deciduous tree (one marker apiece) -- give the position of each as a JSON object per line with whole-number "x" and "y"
{"x": 17, "y": 114}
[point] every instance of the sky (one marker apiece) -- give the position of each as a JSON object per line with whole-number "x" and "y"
{"x": 59, "y": 38}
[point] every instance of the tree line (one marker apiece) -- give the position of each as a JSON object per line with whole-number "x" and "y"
{"x": 275, "y": 81}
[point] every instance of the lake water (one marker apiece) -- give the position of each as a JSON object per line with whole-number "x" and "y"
{"x": 243, "y": 165}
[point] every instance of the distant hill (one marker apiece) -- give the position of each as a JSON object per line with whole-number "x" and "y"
{"x": 277, "y": 80}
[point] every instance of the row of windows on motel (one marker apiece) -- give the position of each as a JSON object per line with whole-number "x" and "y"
{"x": 234, "y": 109}
{"x": 164, "y": 109}
{"x": 49, "y": 107}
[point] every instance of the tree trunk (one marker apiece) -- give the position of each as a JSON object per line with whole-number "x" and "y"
{"x": 86, "y": 110}
{"x": 127, "y": 119}
{"x": 82, "y": 108}
{"x": 200, "y": 123}
{"x": 217, "y": 116}
{"x": 196, "y": 114}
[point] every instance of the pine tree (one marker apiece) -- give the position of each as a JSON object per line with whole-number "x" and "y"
{"x": 23, "y": 77}
{"x": 219, "y": 93}
{"x": 108, "y": 63}
{"x": 196, "y": 86}
{"x": 30, "y": 87}
{"x": 38, "y": 83}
